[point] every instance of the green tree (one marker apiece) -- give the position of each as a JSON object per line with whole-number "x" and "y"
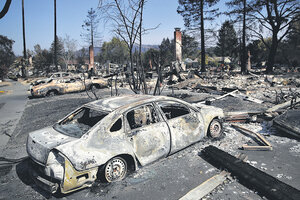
{"x": 240, "y": 10}
{"x": 195, "y": 13}
{"x": 7, "y": 56}
{"x": 258, "y": 50}
{"x": 59, "y": 51}
{"x": 291, "y": 46}
{"x": 166, "y": 52}
{"x": 116, "y": 51}
{"x": 227, "y": 44}
{"x": 190, "y": 47}
{"x": 42, "y": 59}
{"x": 82, "y": 56}
{"x": 150, "y": 57}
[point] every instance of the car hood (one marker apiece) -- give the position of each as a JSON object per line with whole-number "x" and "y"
{"x": 41, "y": 142}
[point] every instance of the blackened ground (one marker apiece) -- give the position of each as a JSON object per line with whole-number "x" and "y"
{"x": 168, "y": 178}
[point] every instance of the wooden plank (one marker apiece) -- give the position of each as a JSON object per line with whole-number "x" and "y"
{"x": 267, "y": 144}
{"x": 250, "y": 176}
{"x": 258, "y": 148}
{"x": 209, "y": 185}
{"x": 246, "y": 97}
{"x": 206, "y": 187}
{"x": 283, "y": 105}
{"x": 261, "y": 138}
{"x": 230, "y": 93}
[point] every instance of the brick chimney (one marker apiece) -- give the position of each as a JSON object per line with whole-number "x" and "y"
{"x": 178, "y": 44}
{"x": 91, "y": 51}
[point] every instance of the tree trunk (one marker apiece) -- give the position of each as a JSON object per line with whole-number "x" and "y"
{"x": 140, "y": 51}
{"x": 132, "y": 70}
{"x": 244, "y": 50}
{"x": 202, "y": 39}
{"x": 272, "y": 53}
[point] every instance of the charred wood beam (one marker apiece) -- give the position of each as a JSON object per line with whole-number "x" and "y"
{"x": 250, "y": 176}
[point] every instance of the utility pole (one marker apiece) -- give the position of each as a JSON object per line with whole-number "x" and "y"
{"x": 202, "y": 37}
{"x": 55, "y": 42}
{"x": 24, "y": 42}
{"x": 244, "y": 51}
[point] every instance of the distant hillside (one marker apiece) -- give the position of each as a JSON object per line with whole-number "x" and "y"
{"x": 145, "y": 48}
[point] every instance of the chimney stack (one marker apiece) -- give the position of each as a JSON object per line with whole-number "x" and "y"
{"x": 178, "y": 45}
{"x": 91, "y": 51}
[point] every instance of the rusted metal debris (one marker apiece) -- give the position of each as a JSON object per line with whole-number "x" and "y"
{"x": 266, "y": 145}
{"x": 107, "y": 138}
{"x": 250, "y": 176}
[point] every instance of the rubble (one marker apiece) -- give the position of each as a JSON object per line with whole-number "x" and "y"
{"x": 289, "y": 122}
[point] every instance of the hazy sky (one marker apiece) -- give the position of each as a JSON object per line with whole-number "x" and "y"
{"x": 39, "y": 21}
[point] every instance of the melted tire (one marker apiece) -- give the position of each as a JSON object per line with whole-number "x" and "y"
{"x": 215, "y": 129}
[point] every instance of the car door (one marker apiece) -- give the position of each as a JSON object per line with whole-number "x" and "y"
{"x": 185, "y": 125}
{"x": 148, "y": 133}
{"x": 73, "y": 85}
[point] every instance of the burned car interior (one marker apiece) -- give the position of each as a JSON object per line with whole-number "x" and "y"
{"x": 173, "y": 109}
{"x": 79, "y": 122}
{"x": 141, "y": 116}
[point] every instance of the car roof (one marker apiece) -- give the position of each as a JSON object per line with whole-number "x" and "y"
{"x": 112, "y": 103}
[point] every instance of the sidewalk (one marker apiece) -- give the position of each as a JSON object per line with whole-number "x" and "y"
{"x": 12, "y": 105}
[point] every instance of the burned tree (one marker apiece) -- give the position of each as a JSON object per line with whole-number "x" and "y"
{"x": 240, "y": 10}
{"x": 69, "y": 50}
{"x": 274, "y": 17}
{"x": 126, "y": 18}
{"x": 195, "y": 13}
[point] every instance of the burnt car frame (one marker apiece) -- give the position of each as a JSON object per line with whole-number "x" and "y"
{"x": 107, "y": 138}
{"x": 66, "y": 85}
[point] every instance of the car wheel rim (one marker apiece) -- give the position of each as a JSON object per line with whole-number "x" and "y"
{"x": 215, "y": 129}
{"x": 115, "y": 170}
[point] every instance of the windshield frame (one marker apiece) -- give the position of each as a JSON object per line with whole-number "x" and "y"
{"x": 75, "y": 112}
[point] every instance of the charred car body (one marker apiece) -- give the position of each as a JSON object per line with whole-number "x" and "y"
{"x": 66, "y": 85}
{"x": 107, "y": 138}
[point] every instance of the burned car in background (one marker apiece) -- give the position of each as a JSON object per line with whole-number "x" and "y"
{"x": 56, "y": 75}
{"x": 107, "y": 138}
{"x": 66, "y": 85}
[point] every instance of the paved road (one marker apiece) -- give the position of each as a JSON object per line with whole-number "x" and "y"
{"x": 168, "y": 178}
{"x": 12, "y": 105}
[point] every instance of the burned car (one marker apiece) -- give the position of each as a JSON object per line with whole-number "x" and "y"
{"x": 108, "y": 138}
{"x": 66, "y": 85}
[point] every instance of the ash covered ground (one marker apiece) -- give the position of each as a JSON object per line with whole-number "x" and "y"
{"x": 168, "y": 178}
